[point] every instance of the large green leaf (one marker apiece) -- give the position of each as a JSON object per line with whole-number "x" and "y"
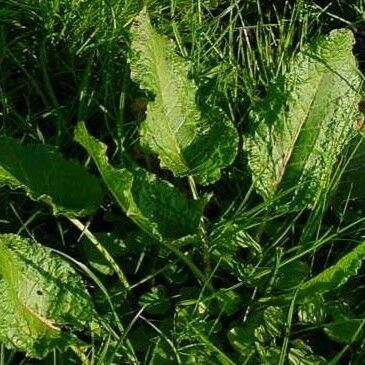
{"x": 336, "y": 275}
{"x": 187, "y": 141}
{"x": 46, "y": 176}
{"x": 152, "y": 203}
{"x": 306, "y": 120}
{"x": 41, "y": 298}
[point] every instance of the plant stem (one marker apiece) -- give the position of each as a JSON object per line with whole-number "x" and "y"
{"x": 102, "y": 250}
{"x": 202, "y": 232}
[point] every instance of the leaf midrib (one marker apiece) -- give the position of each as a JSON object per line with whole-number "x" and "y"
{"x": 12, "y": 292}
{"x": 284, "y": 170}
{"x": 159, "y": 92}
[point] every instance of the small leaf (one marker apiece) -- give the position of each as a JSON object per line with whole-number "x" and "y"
{"x": 351, "y": 187}
{"x": 291, "y": 275}
{"x": 46, "y": 176}
{"x": 221, "y": 302}
{"x": 41, "y": 298}
{"x": 242, "y": 341}
{"x": 312, "y": 310}
{"x": 229, "y": 301}
{"x": 343, "y": 331}
{"x": 186, "y": 141}
{"x": 152, "y": 203}
{"x": 253, "y": 340}
{"x": 199, "y": 354}
{"x": 302, "y": 354}
{"x": 274, "y": 320}
{"x": 114, "y": 245}
{"x": 229, "y": 239}
{"x": 162, "y": 355}
{"x": 336, "y": 275}
{"x": 304, "y": 123}
{"x": 261, "y": 326}
{"x": 269, "y": 355}
{"x": 142, "y": 337}
{"x": 156, "y": 301}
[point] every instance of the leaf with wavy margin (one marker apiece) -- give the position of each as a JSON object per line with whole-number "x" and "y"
{"x": 306, "y": 120}
{"x": 152, "y": 203}
{"x": 336, "y": 275}
{"x": 187, "y": 141}
{"x": 42, "y": 298}
{"x": 46, "y": 176}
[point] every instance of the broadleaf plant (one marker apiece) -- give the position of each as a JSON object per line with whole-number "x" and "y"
{"x": 344, "y": 330}
{"x": 45, "y": 175}
{"x": 188, "y": 141}
{"x": 182, "y": 261}
{"x": 42, "y": 299}
{"x": 335, "y": 275}
{"x": 306, "y": 120}
{"x": 154, "y": 204}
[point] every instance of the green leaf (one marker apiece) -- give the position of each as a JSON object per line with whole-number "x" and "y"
{"x": 304, "y": 123}
{"x": 302, "y": 354}
{"x": 242, "y": 340}
{"x": 229, "y": 301}
{"x": 312, "y": 310}
{"x": 274, "y": 320}
{"x": 291, "y": 275}
{"x": 156, "y": 301}
{"x": 162, "y": 355}
{"x": 336, "y": 275}
{"x": 46, "y": 176}
{"x": 187, "y": 141}
{"x": 227, "y": 239}
{"x": 114, "y": 245}
{"x": 221, "y": 302}
{"x": 152, "y": 203}
{"x": 261, "y": 326}
{"x": 343, "y": 331}
{"x": 199, "y": 355}
{"x": 41, "y": 298}
{"x": 269, "y": 355}
{"x": 351, "y": 186}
